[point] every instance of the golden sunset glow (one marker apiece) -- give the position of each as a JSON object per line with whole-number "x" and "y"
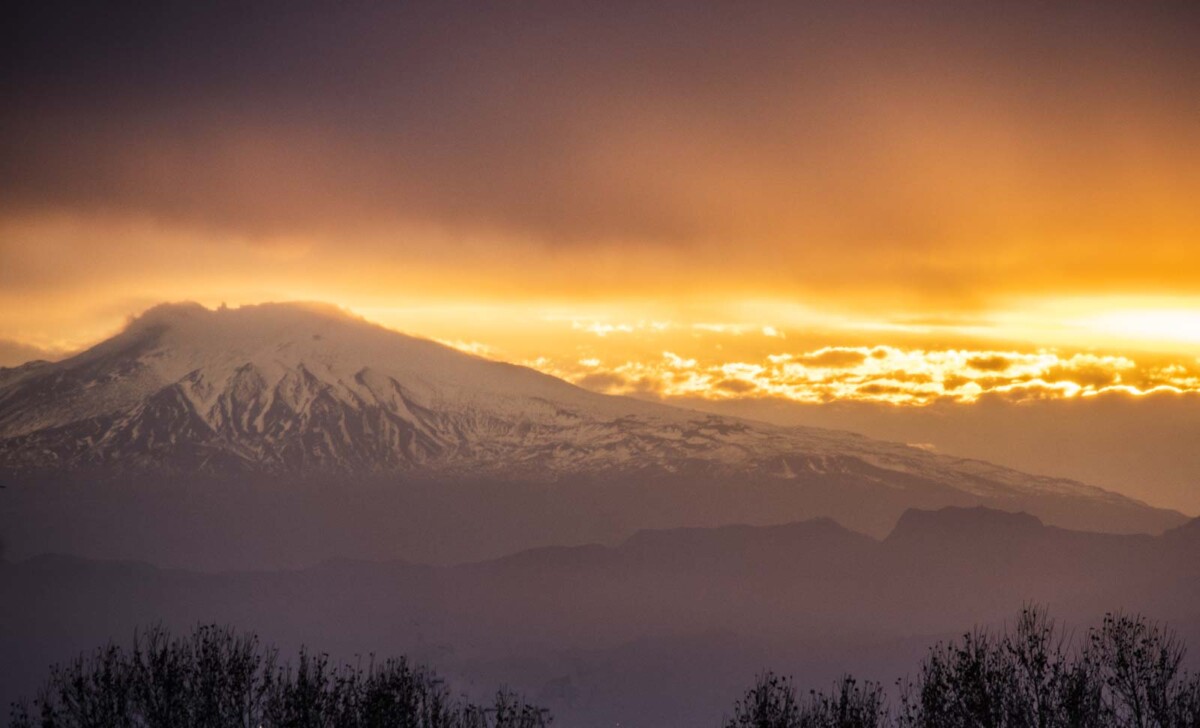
{"x": 883, "y": 374}
{"x": 740, "y": 348}
{"x": 901, "y": 206}
{"x": 661, "y": 363}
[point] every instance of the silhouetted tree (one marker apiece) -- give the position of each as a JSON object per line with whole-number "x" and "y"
{"x": 773, "y": 703}
{"x": 1126, "y": 673}
{"x": 1026, "y": 677}
{"x": 770, "y": 703}
{"x": 215, "y": 678}
{"x": 1141, "y": 682}
{"x": 851, "y": 705}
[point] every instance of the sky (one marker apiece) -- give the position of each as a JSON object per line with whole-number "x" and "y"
{"x": 902, "y": 205}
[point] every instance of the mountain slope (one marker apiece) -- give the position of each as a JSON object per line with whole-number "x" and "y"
{"x": 302, "y": 391}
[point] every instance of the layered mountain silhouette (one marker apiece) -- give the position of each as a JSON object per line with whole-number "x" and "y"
{"x": 306, "y": 396}
{"x": 662, "y": 629}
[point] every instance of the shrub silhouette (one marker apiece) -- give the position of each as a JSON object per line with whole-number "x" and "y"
{"x": 1125, "y": 673}
{"x": 772, "y": 703}
{"x": 215, "y": 678}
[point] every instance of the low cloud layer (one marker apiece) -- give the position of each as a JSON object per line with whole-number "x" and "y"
{"x": 886, "y": 374}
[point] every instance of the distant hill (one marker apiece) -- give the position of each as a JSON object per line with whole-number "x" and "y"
{"x": 586, "y": 630}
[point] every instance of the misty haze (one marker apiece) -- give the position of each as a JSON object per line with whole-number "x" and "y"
{"x": 761, "y": 365}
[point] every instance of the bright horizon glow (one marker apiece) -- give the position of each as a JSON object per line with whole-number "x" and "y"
{"x": 720, "y": 184}
{"x": 1170, "y": 327}
{"x": 1054, "y": 323}
{"x": 765, "y": 349}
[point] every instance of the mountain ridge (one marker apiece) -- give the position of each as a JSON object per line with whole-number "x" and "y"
{"x": 293, "y": 392}
{"x": 949, "y": 522}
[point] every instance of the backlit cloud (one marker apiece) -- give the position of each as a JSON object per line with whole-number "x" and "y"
{"x": 887, "y": 374}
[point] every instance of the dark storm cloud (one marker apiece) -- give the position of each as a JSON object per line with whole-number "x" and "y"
{"x": 401, "y": 102}
{"x": 293, "y": 113}
{"x": 817, "y": 132}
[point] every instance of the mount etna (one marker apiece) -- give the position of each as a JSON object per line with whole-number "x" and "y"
{"x": 283, "y": 434}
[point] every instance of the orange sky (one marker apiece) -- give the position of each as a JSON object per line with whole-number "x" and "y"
{"x": 933, "y": 178}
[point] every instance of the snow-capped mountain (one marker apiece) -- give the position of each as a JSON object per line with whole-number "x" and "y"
{"x": 304, "y": 390}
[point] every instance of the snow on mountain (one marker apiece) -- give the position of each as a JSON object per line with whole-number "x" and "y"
{"x": 304, "y": 389}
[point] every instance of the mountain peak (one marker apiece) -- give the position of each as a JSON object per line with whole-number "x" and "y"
{"x": 271, "y": 313}
{"x": 168, "y": 312}
{"x": 303, "y": 389}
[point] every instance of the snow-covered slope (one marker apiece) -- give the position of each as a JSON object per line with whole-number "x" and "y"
{"x": 307, "y": 390}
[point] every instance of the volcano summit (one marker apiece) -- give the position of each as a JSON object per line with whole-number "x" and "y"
{"x": 303, "y": 394}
